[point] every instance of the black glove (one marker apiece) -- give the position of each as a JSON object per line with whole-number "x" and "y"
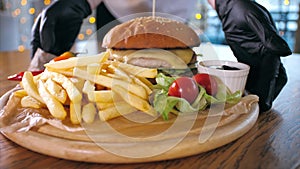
{"x": 57, "y": 27}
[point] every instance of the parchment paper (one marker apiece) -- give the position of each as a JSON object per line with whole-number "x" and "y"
{"x": 15, "y": 118}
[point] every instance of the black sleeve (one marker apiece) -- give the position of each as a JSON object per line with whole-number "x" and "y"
{"x": 263, "y": 26}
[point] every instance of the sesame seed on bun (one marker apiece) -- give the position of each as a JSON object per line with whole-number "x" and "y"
{"x": 151, "y": 32}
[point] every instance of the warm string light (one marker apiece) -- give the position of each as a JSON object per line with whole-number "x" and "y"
{"x": 16, "y": 12}
{"x": 23, "y": 2}
{"x": 25, "y": 12}
{"x": 198, "y": 16}
{"x": 89, "y": 31}
{"x": 23, "y": 20}
{"x": 21, "y": 48}
{"x": 80, "y": 36}
{"x": 286, "y": 2}
{"x": 31, "y": 11}
{"x": 8, "y": 5}
{"x": 92, "y": 20}
{"x": 47, "y": 2}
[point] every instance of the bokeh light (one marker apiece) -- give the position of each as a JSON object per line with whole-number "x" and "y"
{"x": 23, "y": 20}
{"x": 21, "y": 48}
{"x": 286, "y": 2}
{"x": 92, "y": 20}
{"x": 80, "y": 36}
{"x": 16, "y": 12}
{"x": 198, "y": 16}
{"x": 31, "y": 11}
{"x": 89, "y": 31}
{"x": 8, "y": 5}
{"x": 47, "y": 2}
{"x": 23, "y": 2}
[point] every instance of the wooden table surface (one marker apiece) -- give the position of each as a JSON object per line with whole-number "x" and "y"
{"x": 273, "y": 142}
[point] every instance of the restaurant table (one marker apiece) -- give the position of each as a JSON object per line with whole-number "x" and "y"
{"x": 273, "y": 142}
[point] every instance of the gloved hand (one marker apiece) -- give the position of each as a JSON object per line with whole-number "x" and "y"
{"x": 57, "y": 27}
{"x": 39, "y": 59}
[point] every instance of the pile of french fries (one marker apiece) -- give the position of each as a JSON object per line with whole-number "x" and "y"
{"x": 87, "y": 87}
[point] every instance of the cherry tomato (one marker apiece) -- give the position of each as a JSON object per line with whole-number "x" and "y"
{"x": 184, "y": 87}
{"x": 209, "y": 83}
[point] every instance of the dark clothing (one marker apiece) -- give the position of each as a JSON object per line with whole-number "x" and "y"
{"x": 103, "y": 16}
{"x": 251, "y": 34}
{"x": 58, "y": 25}
{"x": 104, "y": 22}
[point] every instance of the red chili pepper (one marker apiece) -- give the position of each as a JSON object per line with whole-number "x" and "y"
{"x": 65, "y": 56}
{"x": 19, "y": 76}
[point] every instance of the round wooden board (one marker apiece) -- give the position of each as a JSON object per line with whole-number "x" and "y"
{"x": 108, "y": 148}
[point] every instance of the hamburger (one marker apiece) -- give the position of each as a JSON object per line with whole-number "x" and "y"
{"x": 154, "y": 42}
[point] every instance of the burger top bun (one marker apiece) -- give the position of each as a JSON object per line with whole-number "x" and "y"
{"x": 151, "y": 32}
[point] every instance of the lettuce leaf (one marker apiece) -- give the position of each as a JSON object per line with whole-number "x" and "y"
{"x": 164, "y": 104}
{"x": 163, "y": 82}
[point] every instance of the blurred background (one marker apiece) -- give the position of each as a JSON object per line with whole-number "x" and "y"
{"x": 17, "y": 18}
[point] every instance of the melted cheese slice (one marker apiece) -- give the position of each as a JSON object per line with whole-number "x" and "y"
{"x": 176, "y": 58}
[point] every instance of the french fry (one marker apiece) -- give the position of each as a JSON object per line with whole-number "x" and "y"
{"x": 110, "y": 82}
{"x": 93, "y": 68}
{"x": 141, "y": 83}
{"x": 110, "y": 75}
{"x": 88, "y": 87}
{"x": 120, "y": 74}
{"x": 36, "y": 77}
{"x": 55, "y": 108}
{"x": 114, "y": 111}
{"x": 102, "y": 80}
{"x": 56, "y": 90}
{"x": 104, "y": 67}
{"x": 134, "y": 100}
{"x": 20, "y": 93}
{"x": 125, "y": 88}
{"x": 146, "y": 82}
{"x": 75, "y": 112}
{"x": 103, "y": 105}
{"x": 78, "y": 61}
{"x": 136, "y": 70}
{"x": 88, "y": 113}
{"x": 104, "y": 96}
{"x": 73, "y": 93}
{"x": 78, "y": 82}
{"x": 109, "y": 68}
{"x": 28, "y": 101}
{"x": 30, "y": 87}
{"x": 66, "y": 72}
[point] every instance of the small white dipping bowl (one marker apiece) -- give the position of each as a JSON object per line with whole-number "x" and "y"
{"x": 234, "y": 79}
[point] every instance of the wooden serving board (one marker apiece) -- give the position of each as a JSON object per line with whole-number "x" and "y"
{"x": 122, "y": 140}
